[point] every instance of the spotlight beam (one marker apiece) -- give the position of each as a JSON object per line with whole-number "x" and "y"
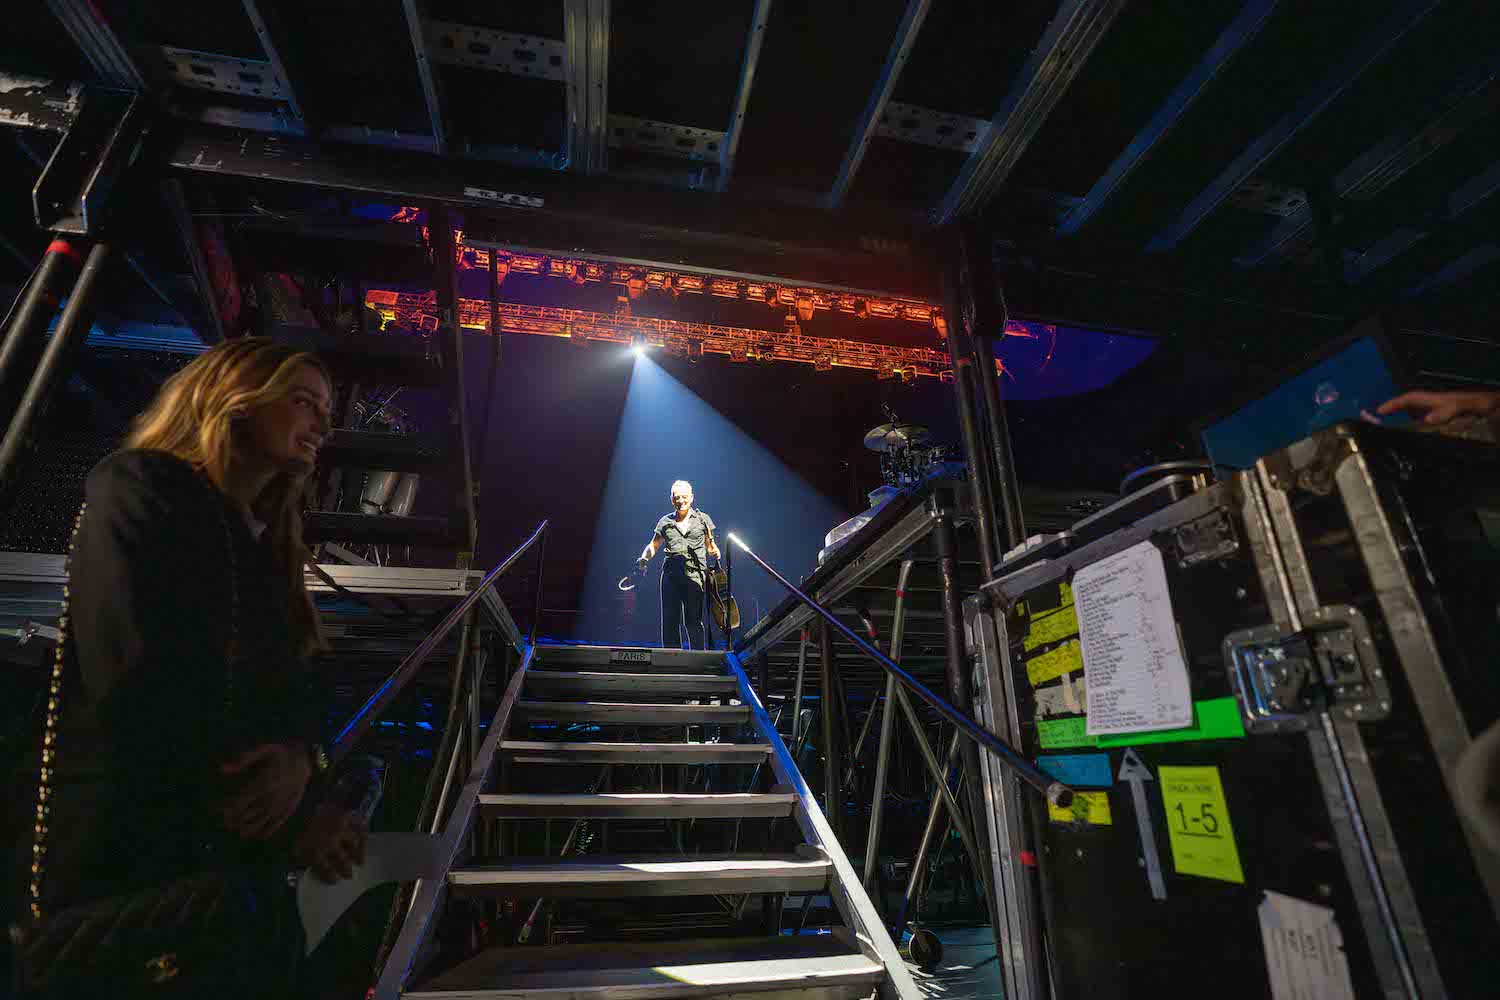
{"x": 1056, "y": 792}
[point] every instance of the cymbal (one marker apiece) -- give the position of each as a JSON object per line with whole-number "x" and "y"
{"x": 894, "y": 437}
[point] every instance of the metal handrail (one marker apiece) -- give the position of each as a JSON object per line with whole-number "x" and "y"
{"x": 1056, "y": 792}
{"x": 362, "y": 720}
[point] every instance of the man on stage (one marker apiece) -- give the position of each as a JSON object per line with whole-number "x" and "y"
{"x": 688, "y": 537}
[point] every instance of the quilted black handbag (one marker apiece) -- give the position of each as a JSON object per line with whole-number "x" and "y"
{"x": 224, "y": 934}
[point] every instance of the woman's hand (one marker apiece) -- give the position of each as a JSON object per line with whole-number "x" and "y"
{"x": 332, "y": 844}
{"x": 278, "y": 777}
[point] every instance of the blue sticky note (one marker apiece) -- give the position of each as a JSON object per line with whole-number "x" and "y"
{"x": 1079, "y": 768}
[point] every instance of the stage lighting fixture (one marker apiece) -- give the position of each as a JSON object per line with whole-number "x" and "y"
{"x": 695, "y": 351}
{"x": 909, "y": 375}
{"x": 941, "y": 325}
{"x": 804, "y": 307}
{"x": 861, "y": 309}
{"x": 637, "y": 344}
{"x": 823, "y": 363}
{"x": 737, "y": 352}
{"x": 885, "y": 370}
{"x": 945, "y": 377}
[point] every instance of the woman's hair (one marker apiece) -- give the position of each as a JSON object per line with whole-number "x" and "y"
{"x": 193, "y": 417}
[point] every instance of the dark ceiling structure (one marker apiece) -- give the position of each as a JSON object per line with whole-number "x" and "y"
{"x": 1237, "y": 169}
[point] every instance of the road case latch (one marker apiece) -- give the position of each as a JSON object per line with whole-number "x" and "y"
{"x": 1283, "y": 679}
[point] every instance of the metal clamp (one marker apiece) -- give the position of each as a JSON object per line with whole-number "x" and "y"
{"x": 1284, "y": 679}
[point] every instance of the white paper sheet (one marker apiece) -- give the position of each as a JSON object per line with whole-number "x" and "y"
{"x": 1304, "y": 950}
{"x": 389, "y": 857}
{"x": 1132, "y": 659}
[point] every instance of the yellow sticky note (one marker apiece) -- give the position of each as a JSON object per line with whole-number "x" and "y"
{"x": 1198, "y": 824}
{"x": 1051, "y": 626}
{"x": 1054, "y": 663}
{"x": 1087, "y": 807}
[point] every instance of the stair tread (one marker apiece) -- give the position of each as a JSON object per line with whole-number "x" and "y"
{"x": 643, "y": 876}
{"x": 637, "y": 804}
{"x": 340, "y": 526}
{"x": 609, "y": 680}
{"x": 586, "y": 752}
{"x": 618, "y": 711}
{"x": 632, "y": 658}
{"x": 664, "y": 968}
{"x": 382, "y": 450}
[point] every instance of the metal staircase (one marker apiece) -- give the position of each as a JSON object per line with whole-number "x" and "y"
{"x": 597, "y": 706}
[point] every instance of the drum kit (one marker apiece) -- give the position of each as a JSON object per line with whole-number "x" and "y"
{"x": 906, "y": 451}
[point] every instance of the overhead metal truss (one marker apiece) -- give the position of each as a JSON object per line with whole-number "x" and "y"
{"x": 1367, "y": 53}
{"x": 1067, "y": 43}
{"x": 418, "y": 311}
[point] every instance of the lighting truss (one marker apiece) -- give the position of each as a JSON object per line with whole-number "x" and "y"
{"x": 418, "y": 310}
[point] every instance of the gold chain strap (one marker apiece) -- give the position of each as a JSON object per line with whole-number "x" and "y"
{"x": 49, "y": 735}
{"x": 55, "y": 697}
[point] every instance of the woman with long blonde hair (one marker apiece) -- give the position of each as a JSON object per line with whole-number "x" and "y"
{"x": 181, "y": 734}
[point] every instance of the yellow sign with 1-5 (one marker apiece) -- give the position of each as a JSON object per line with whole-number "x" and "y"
{"x": 1198, "y": 824}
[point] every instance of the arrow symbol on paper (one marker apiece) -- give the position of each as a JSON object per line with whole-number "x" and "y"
{"x": 1136, "y": 774}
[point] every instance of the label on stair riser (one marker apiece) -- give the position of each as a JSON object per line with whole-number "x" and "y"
{"x": 630, "y": 656}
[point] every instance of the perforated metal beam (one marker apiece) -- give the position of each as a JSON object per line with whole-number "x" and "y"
{"x": 97, "y": 40}
{"x": 1374, "y": 47}
{"x": 1473, "y": 192}
{"x": 885, "y": 85}
{"x": 1476, "y": 96}
{"x": 502, "y": 51}
{"x": 272, "y": 34}
{"x": 416, "y": 25}
{"x": 759, "y": 20}
{"x": 1066, "y": 44}
{"x": 1246, "y": 25}
{"x": 586, "y": 36}
{"x": 1463, "y": 268}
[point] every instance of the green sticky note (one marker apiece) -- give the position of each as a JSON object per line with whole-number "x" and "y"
{"x": 1198, "y": 824}
{"x": 1055, "y": 734}
{"x": 1214, "y": 719}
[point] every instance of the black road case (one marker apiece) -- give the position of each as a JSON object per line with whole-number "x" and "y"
{"x": 1326, "y": 625}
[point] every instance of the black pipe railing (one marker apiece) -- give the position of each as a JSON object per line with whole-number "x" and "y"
{"x": 360, "y": 724}
{"x": 1056, "y": 792}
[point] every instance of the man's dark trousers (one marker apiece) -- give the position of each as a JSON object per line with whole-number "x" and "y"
{"x": 681, "y": 604}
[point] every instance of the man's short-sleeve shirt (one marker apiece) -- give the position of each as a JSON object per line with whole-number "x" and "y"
{"x": 685, "y": 543}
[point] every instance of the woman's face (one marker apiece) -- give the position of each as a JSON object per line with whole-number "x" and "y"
{"x": 287, "y": 433}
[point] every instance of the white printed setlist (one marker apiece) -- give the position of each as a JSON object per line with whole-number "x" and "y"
{"x": 1304, "y": 950}
{"x": 1132, "y": 659}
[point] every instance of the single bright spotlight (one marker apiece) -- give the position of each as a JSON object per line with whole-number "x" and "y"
{"x": 638, "y": 344}
{"x": 736, "y": 540}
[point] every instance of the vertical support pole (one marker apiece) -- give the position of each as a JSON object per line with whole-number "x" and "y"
{"x": 24, "y": 338}
{"x": 72, "y": 326}
{"x": 832, "y": 758}
{"x": 887, "y": 729}
{"x": 440, "y": 233}
{"x": 984, "y": 301}
{"x": 929, "y": 831}
{"x": 958, "y": 312}
{"x": 797, "y": 694}
{"x": 956, "y": 671}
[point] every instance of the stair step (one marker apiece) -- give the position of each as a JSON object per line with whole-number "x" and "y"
{"x": 632, "y": 658}
{"x": 562, "y": 682}
{"x": 653, "y": 875}
{"x": 620, "y": 713}
{"x": 381, "y": 529}
{"x": 422, "y": 452}
{"x": 534, "y": 752}
{"x": 618, "y": 805}
{"x": 643, "y": 970}
{"x": 393, "y": 358}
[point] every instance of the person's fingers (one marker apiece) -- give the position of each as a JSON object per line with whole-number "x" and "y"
{"x": 1441, "y": 412}
{"x": 249, "y": 758}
